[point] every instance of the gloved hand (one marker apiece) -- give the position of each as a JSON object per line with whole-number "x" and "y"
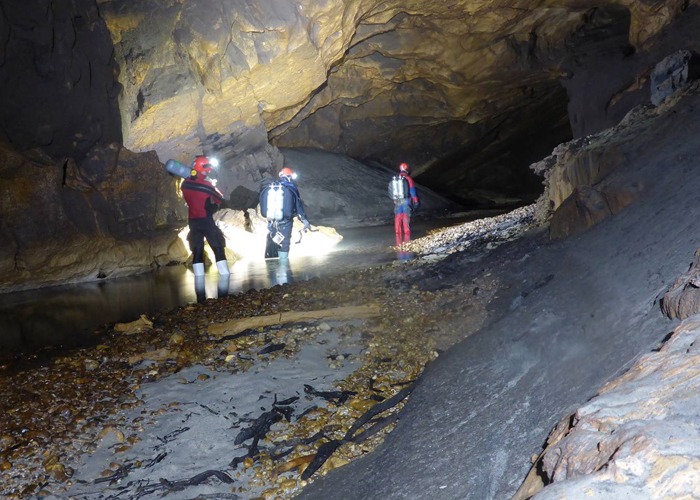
{"x": 307, "y": 224}
{"x": 415, "y": 206}
{"x": 210, "y": 207}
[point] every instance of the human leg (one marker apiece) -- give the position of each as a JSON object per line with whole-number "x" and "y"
{"x": 196, "y": 241}
{"x": 285, "y": 227}
{"x": 397, "y": 229}
{"x": 406, "y": 223}
{"x": 402, "y": 228}
{"x": 217, "y": 242}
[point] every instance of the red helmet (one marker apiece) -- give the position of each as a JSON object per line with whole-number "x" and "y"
{"x": 403, "y": 167}
{"x": 287, "y": 172}
{"x": 202, "y": 165}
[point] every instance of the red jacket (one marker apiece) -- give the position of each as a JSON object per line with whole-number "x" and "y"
{"x": 198, "y": 193}
{"x": 411, "y": 189}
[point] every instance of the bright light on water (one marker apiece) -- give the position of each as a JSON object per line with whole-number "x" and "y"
{"x": 67, "y": 315}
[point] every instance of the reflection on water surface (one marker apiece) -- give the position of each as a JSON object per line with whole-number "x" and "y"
{"x": 68, "y": 315}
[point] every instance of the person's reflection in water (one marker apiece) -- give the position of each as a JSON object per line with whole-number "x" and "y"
{"x": 222, "y": 285}
{"x": 279, "y": 271}
{"x": 284, "y": 271}
{"x": 199, "y": 289}
{"x": 404, "y": 256}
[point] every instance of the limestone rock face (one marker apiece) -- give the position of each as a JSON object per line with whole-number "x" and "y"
{"x": 58, "y": 85}
{"x": 469, "y": 92}
{"x": 673, "y": 73}
{"x": 683, "y": 298}
{"x": 638, "y": 438}
{"x": 585, "y": 207}
{"x": 112, "y": 214}
{"x": 585, "y": 181}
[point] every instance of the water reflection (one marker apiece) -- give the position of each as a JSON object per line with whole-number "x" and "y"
{"x": 68, "y": 315}
{"x": 251, "y": 274}
{"x": 61, "y": 315}
{"x": 404, "y": 256}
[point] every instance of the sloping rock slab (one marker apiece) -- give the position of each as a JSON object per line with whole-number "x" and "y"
{"x": 639, "y": 438}
{"x": 683, "y": 298}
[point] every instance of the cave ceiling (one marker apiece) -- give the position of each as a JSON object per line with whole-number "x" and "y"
{"x": 468, "y": 92}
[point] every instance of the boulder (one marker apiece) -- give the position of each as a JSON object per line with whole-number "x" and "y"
{"x": 637, "y": 438}
{"x": 246, "y": 235}
{"x": 672, "y": 73}
{"x": 682, "y": 300}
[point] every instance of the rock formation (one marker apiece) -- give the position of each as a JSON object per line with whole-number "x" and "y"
{"x": 112, "y": 214}
{"x": 469, "y": 93}
{"x": 637, "y": 438}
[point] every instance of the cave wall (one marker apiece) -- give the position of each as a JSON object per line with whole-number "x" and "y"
{"x": 111, "y": 214}
{"x": 468, "y": 92}
{"x": 74, "y": 203}
{"x": 606, "y": 76}
{"x": 424, "y": 82}
{"x": 58, "y": 77}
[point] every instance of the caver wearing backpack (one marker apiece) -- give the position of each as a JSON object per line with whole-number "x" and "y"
{"x": 203, "y": 199}
{"x": 402, "y": 190}
{"x": 280, "y": 202}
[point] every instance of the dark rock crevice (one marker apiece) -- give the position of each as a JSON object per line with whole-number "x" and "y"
{"x": 56, "y": 79}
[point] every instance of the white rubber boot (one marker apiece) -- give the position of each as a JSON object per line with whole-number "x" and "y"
{"x": 198, "y": 269}
{"x": 222, "y": 266}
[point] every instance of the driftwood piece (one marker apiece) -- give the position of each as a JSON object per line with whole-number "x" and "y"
{"x": 279, "y": 451}
{"x": 324, "y": 453}
{"x": 120, "y": 473}
{"x": 235, "y": 326}
{"x": 377, "y": 426}
{"x": 260, "y": 426}
{"x": 141, "y": 325}
{"x": 270, "y": 348}
{"x": 376, "y": 409}
{"x": 285, "y": 402}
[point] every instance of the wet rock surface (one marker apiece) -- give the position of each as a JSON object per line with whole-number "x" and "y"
{"x": 638, "y": 438}
{"x": 76, "y": 423}
{"x": 571, "y": 315}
